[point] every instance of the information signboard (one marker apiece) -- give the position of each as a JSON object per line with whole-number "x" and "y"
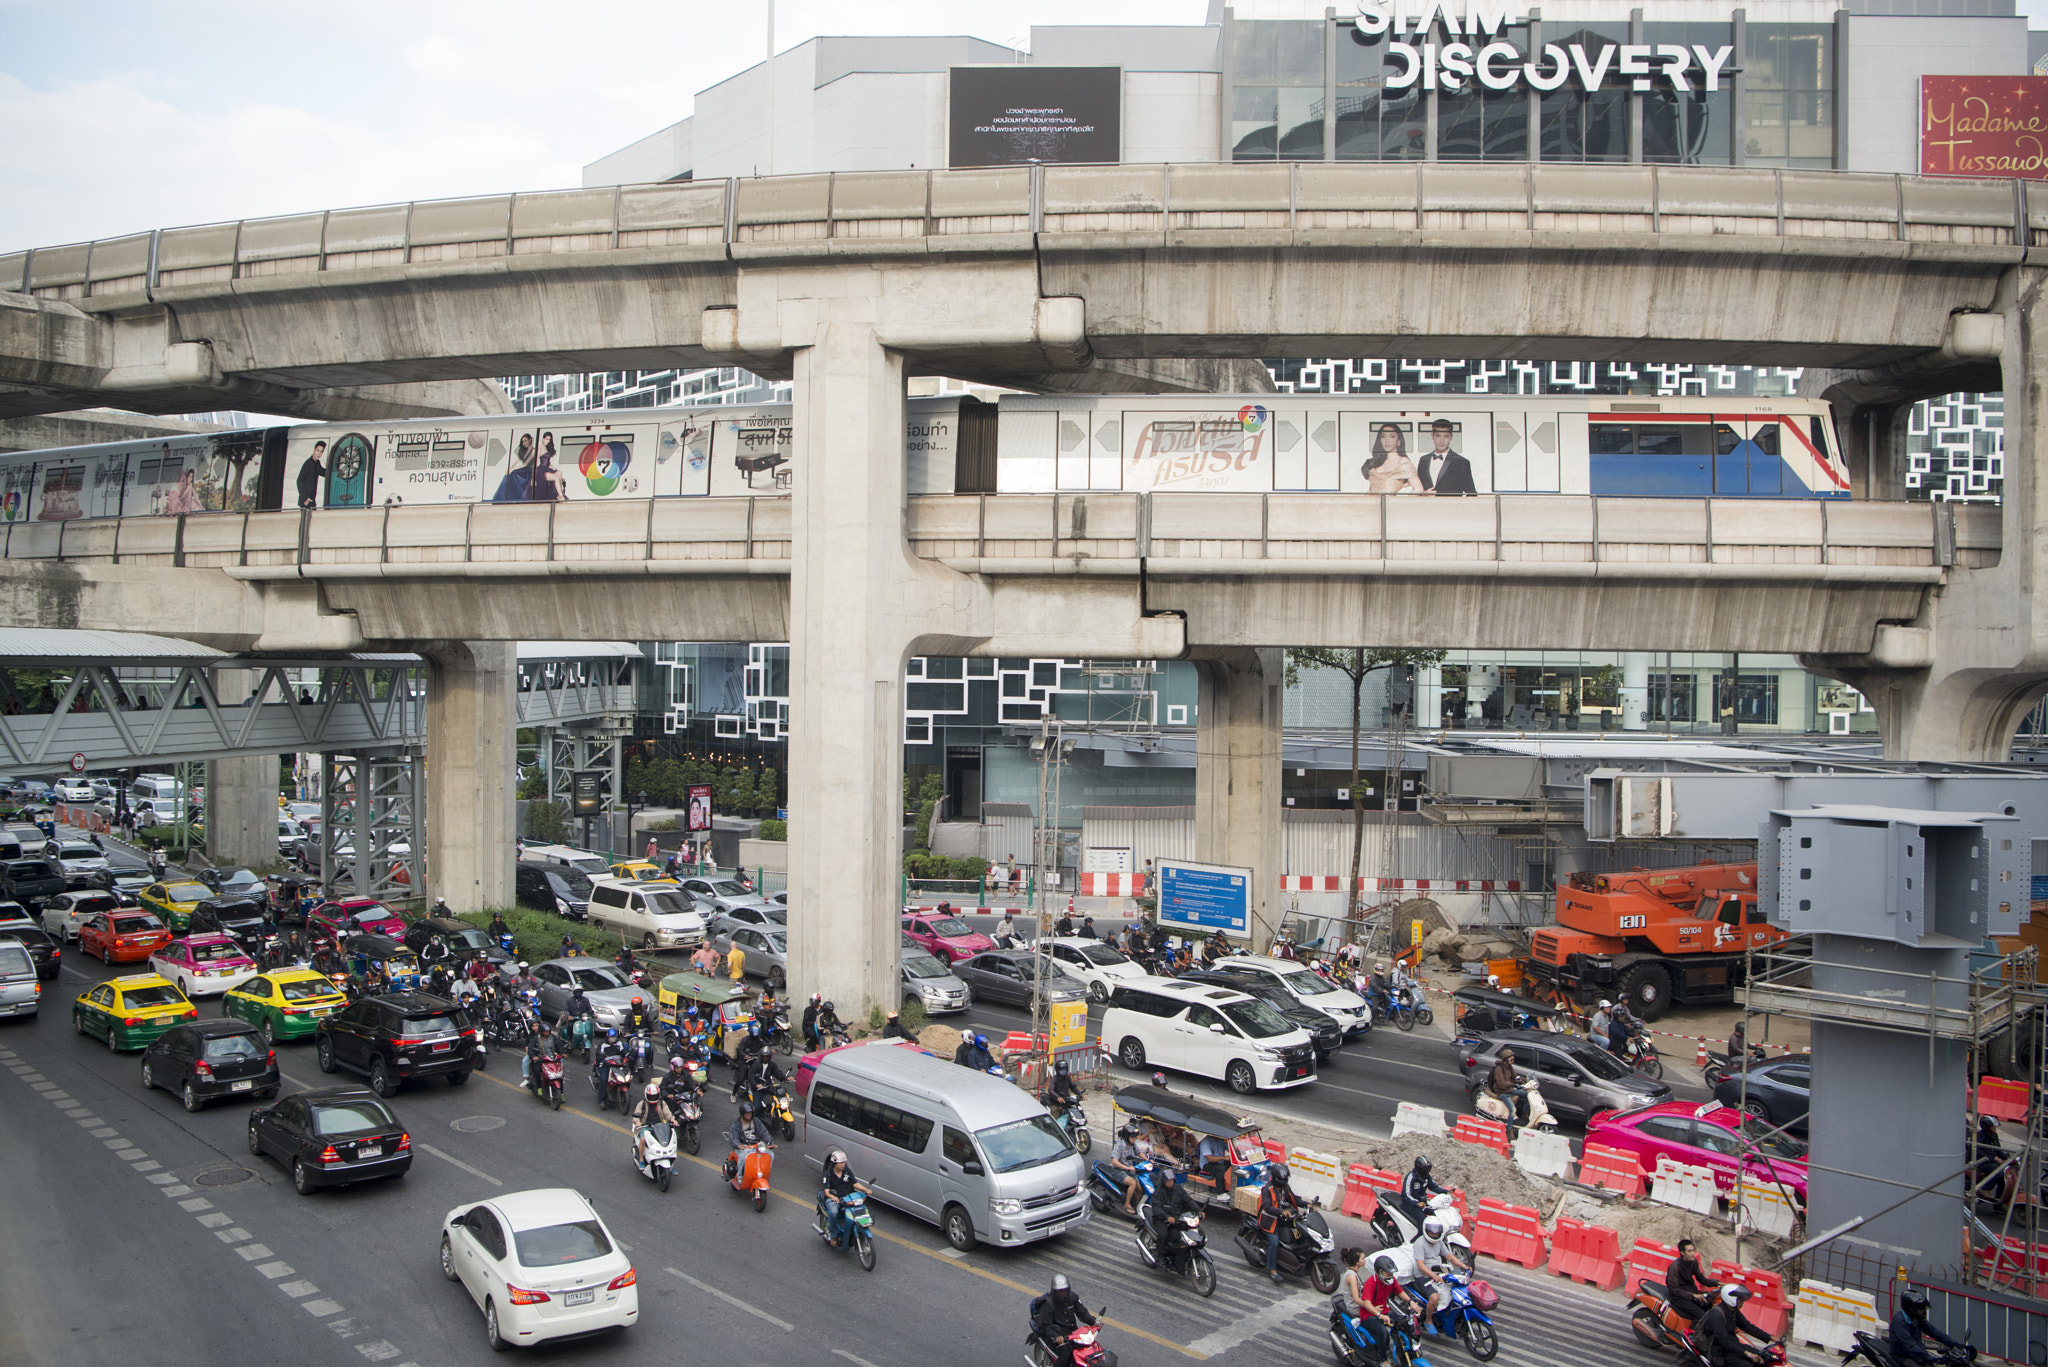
{"x": 1205, "y": 897}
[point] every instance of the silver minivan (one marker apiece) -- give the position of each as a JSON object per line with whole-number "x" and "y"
{"x": 20, "y": 992}
{"x": 968, "y": 1152}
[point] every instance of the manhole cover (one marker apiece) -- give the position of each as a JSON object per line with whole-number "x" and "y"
{"x": 222, "y": 1177}
{"x": 470, "y": 1124}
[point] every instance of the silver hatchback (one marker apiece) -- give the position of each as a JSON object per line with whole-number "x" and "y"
{"x": 21, "y": 994}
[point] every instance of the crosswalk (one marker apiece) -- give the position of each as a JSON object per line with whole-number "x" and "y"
{"x": 1543, "y": 1321}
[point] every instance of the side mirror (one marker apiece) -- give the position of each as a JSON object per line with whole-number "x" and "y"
{"x": 970, "y": 1168}
{"x": 1578, "y": 1080}
{"x": 1215, "y": 1027}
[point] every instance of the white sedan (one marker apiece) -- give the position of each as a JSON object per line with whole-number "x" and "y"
{"x": 542, "y": 1266}
{"x": 1099, "y": 965}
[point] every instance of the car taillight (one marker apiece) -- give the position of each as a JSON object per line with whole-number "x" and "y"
{"x": 626, "y": 1278}
{"x": 328, "y": 1155}
{"x": 202, "y": 1069}
{"x": 132, "y": 1021}
{"x": 404, "y": 1143}
{"x": 1471, "y": 1062}
{"x": 270, "y": 1060}
{"x": 519, "y": 1295}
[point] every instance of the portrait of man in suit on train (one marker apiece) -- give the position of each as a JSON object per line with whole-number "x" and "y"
{"x": 1443, "y": 470}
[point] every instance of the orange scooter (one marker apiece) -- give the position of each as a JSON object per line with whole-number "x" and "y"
{"x": 748, "y": 1169}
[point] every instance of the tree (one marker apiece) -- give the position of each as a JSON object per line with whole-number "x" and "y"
{"x": 768, "y": 789}
{"x": 928, "y": 794}
{"x": 1356, "y": 664}
{"x": 547, "y": 821}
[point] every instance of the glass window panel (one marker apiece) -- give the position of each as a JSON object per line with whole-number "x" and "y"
{"x": 1254, "y": 51}
{"x": 1299, "y": 52}
{"x": 1255, "y": 114}
{"x": 1476, "y": 124}
{"x": 1301, "y": 123}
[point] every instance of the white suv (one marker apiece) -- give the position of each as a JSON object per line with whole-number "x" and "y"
{"x": 1345, "y": 1007}
{"x": 1099, "y": 965}
{"x": 650, "y": 915}
{"x": 1206, "y": 1030}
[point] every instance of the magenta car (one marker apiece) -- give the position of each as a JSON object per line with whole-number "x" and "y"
{"x": 946, "y": 937}
{"x": 357, "y": 916}
{"x": 204, "y": 965}
{"x": 1699, "y": 1136}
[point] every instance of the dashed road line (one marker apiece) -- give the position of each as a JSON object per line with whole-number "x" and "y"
{"x": 451, "y": 1158}
{"x": 784, "y": 1325}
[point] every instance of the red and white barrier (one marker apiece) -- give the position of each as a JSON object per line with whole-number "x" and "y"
{"x": 1334, "y": 882}
{"x": 1112, "y": 884}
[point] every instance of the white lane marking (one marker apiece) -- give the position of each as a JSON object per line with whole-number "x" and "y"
{"x": 275, "y": 1270}
{"x": 784, "y": 1325}
{"x": 380, "y": 1351}
{"x": 150, "y": 1165}
{"x": 215, "y": 1219}
{"x": 320, "y": 1307}
{"x": 300, "y": 1083}
{"x": 117, "y": 1142}
{"x": 451, "y": 1158}
{"x": 231, "y": 1236}
{"x": 129, "y": 1155}
{"x": 1227, "y": 1337}
{"x": 297, "y": 1289}
{"x": 197, "y": 1203}
{"x": 89, "y": 1122}
{"x": 858, "y": 1362}
{"x": 177, "y": 1189}
{"x": 251, "y": 1252}
{"x": 162, "y": 1179}
{"x": 101, "y": 1133}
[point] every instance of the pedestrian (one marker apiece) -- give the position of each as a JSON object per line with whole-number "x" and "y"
{"x": 653, "y": 850}
{"x": 736, "y": 962}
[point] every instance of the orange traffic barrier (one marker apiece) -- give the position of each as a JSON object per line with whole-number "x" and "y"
{"x": 1586, "y": 1253}
{"x": 1647, "y": 1261}
{"x": 1362, "y": 1188}
{"x": 1489, "y": 1134}
{"x": 2006, "y": 1100}
{"x": 1513, "y": 1234}
{"x": 1767, "y": 1307}
{"x": 1615, "y": 1169}
{"x": 1276, "y": 1152}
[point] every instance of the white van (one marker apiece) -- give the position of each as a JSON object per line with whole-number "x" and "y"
{"x": 970, "y": 1153}
{"x": 155, "y": 786}
{"x": 583, "y": 861}
{"x": 651, "y": 915}
{"x": 1209, "y": 1031}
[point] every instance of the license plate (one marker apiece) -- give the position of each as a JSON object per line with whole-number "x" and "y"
{"x": 584, "y": 1297}
{"x": 1051, "y": 1230}
{"x": 443, "y": 1047}
{"x": 240, "y": 1086}
{"x": 369, "y": 1150}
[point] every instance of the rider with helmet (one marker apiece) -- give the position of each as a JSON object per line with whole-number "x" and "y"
{"x": 1169, "y": 1202}
{"x": 1718, "y": 1335}
{"x": 744, "y": 1133}
{"x": 651, "y": 1108}
{"x": 839, "y": 1182}
{"x": 1057, "y": 1314}
{"x": 638, "y": 1015}
{"x": 811, "y": 1020}
{"x": 1131, "y": 1148}
{"x": 605, "y": 1053}
{"x": 1062, "y": 1090}
{"x": 1278, "y": 1206}
{"x": 1383, "y": 1291}
{"x": 973, "y": 1053}
{"x": 1909, "y": 1323}
{"x": 1418, "y": 1186}
{"x": 1158, "y": 1079}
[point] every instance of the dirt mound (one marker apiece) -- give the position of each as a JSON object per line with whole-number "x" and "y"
{"x": 1476, "y": 1171}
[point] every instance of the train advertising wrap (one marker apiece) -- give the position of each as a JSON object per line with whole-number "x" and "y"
{"x": 1205, "y": 450}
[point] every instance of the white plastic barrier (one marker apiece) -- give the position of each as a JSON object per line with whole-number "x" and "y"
{"x": 1410, "y": 1118}
{"x": 1688, "y": 1188}
{"x": 1829, "y": 1316}
{"x": 1317, "y": 1177}
{"x": 1765, "y": 1209}
{"x": 1543, "y": 1155}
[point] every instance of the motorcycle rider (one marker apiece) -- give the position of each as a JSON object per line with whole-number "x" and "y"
{"x": 829, "y": 1024}
{"x": 536, "y": 1047}
{"x": 894, "y": 1029}
{"x": 1383, "y": 1293}
{"x": 1738, "y": 1047}
{"x": 1620, "y": 1028}
{"x": 1719, "y": 1332}
{"x": 973, "y": 1053}
{"x": 497, "y": 927}
{"x": 1418, "y": 1186}
{"x": 1504, "y": 1084}
{"x": 1006, "y": 932}
{"x": 1169, "y": 1203}
{"x": 1124, "y": 1157}
{"x": 1278, "y": 1206}
{"x": 639, "y": 1015}
{"x": 1601, "y": 1023}
{"x": 1057, "y": 1314}
{"x": 744, "y": 1133}
{"x": 1434, "y": 1253}
{"x": 839, "y": 1181}
{"x": 624, "y": 960}
{"x": 1062, "y": 1090}
{"x": 652, "y": 1108}
{"x": 811, "y": 1020}
{"x": 609, "y": 1052}
{"x": 1216, "y": 947}
{"x": 676, "y": 1083}
{"x": 1909, "y": 1324}
{"x": 1987, "y": 1157}
{"x": 1689, "y": 1286}
{"x": 523, "y": 980}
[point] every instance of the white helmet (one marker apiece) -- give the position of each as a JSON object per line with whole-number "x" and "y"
{"x": 1493, "y": 981}
{"x": 1606, "y": 1005}
{"x": 1434, "y": 1227}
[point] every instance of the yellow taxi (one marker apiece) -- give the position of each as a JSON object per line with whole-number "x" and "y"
{"x": 640, "y": 871}
{"x": 129, "y": 1012}
{"x": 174, "y": 901}
{"x": 287, "y": 1003}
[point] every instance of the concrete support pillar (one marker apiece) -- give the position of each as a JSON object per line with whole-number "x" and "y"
{"x": 241, "y": 794}
{"x": 469, "y": 772}
{"x": 1635, "y": 691}
{"x": 1237, "y": 772}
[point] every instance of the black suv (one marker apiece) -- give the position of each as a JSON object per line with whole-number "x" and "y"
{"x": 31, "y": 880}
{"x": 203, "y": 1060}
{"x": 552, "y": 887}
{"x": 233, "y": 917}
{"x": 397, "y": 1036}
{"x": 1323, "y": 1029}
{"x": 464, "y": 940}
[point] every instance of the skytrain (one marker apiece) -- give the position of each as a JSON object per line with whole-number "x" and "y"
{"x": 1420, "y": 445}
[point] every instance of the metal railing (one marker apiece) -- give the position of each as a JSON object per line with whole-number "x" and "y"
{"x": 1054, "y": 208}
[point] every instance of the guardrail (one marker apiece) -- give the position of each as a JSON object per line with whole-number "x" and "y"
{"x": 995, "y": 533}
{"x": 1052, "y": 208}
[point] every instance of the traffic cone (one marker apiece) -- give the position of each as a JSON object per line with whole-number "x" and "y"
{"x": 1699, "y": 1060}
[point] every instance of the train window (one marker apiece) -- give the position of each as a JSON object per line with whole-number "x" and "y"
{"x": 1672, "y": 439}
{"x": 1726, "y": 439}
{"x": 1612, "y": 439}
{"x": 1766, "y": 438}
{"x": 1820, "y": 437}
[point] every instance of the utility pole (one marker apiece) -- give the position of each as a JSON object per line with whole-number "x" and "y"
{"x": 1051, "y": 753}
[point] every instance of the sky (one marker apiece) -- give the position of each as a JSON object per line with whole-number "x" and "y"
{"x": 118, "y": 116}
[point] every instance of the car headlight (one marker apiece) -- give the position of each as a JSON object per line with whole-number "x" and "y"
{"x": 1007, "y": 1207}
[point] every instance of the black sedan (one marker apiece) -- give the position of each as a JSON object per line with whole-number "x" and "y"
{"x": 1000, "y": 975}
{"x": 1322, "y": 1028}
{"x": 1779, "y": 1092}
{"x": 331, "y": 1137}
{"x": 204, "y": 1060}
{"x": 234, "y": 917}
{"x": 46, "y": 953}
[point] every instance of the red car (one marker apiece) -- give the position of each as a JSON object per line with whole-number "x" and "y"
{"x": 122, "y": 937}
{"x": 356, "y": 916}
{"x": 1699, "y": 1136}
{"x": 945, "y": 937}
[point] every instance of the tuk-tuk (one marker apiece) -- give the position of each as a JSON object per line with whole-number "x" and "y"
{"x": 291, "y": 899}
{"x": 399, "y": 966}
{"x": 723, "y": 1005}
{"x": 1180, "y": 1124}
{"x": 1483, "y": 1010}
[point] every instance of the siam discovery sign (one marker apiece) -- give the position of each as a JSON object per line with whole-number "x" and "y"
{"x": 1499, "y": 65}
{"x": 1984, "y": 126}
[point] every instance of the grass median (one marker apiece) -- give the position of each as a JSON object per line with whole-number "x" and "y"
{"x": 538, "y": 934}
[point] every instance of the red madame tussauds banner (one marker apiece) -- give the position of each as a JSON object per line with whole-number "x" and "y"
{"x": 1984, "y": 126}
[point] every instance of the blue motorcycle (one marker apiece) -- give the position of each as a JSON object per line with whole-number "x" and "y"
{"x": 1462, "y": 1319}
{"x": 1106, "y": 1187}
{"x": 854, "y": 1227}
{"x": 1349, "y": 1340}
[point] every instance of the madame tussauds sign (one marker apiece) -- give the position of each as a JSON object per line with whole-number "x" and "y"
{"x": 1482, "y": 55}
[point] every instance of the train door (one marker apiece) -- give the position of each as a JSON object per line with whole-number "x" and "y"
{"x": 1106, "y": 451}
{"x": 1747, "y": 458}
{"x": 1511, "y": 452}
{"x": 1304, "y": 452}
{"x": 1546, "y": 443}
{"x": 1663, "y": 457}
{"x": 1091, "y": 445}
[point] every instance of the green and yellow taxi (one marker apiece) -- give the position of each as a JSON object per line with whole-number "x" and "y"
{"x": 286, "y": 1004}
{"x": 174, "y": 901}
{"x": 640, "y": 871}
{"x": 130, "y": 1012}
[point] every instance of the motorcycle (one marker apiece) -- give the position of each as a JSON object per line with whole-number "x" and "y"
{"x": 689, "y": 1109}
{"x": 1876, "y": 1350}
{"x": 771, "y": 1103}
{"x": 508, "y": 945}
{"x": 1721, "y": 1067}
{"x": 1073, "y": 1122}
{"x": 1464, "y": 1317}
{"x": 856, "y": 1220}
{"x": 1654, "y": 1321}
{"x": 613, "y": 1084}
{"x": 1306, "y": 1249}
{"x": 1180, "y": 1247}
{"x": 1495, "y": 1108}
{"x": 1694, "y": 1354}
{"x": 576, "y": 1033}
{"x": 1106, "y": 1189}
{"x": 1348, "y": 1341}
{"x": 544, "y": 1079}
{"x": 1394, "y": 1224}
{"x": 660, "y": 1160}
{"x": 751, "y": 1172}
{"x": 1406, "y": 1008}
{"x": 1638, "y": 1053}
{"x": 640, "y": 1054}
{"x": 1084, "y": 1344}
